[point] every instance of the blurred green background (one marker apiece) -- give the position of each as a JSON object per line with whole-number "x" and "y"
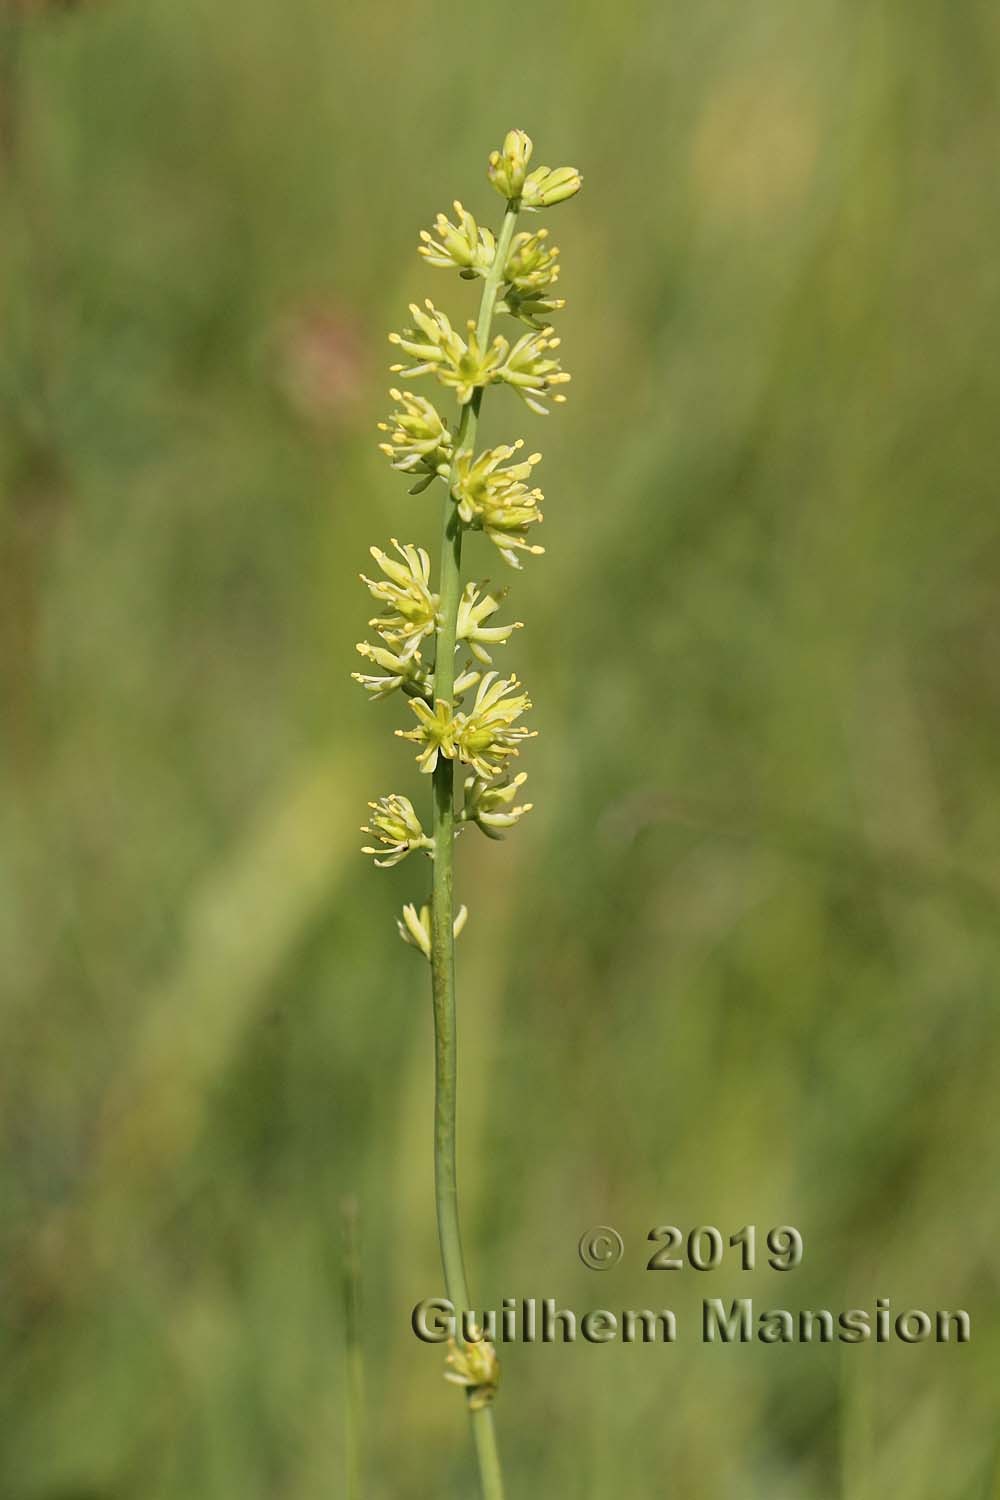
{"x": 740, "y": 965}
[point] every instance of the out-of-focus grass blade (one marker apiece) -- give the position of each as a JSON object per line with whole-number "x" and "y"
{"x": 243, "y": 923}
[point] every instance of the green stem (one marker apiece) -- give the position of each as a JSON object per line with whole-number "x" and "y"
{"x": 443, "y": 894}
{"x": 354, "y": 1401}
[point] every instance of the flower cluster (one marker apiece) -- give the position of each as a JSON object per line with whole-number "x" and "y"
{"x": 490, "y": 491}
{"x": 396, "y": 826}
{"x": 542, "y": 188}
{"x": 484, "y": 738}
{"x": 435, "y": 347}
{"x": 464, "y": 366}
{"x": 488, "y": 804}
{"x": 410, "y": 611}
{"x": 463, "y": 247}
{"x": 531, "y": 272}
{"x": 408, "y": 617}
{"x": 532, "y": 372}
{"x": 475, "y": 1367}
{"x": 495, "y": 499}
{"x": 419, "y": 441}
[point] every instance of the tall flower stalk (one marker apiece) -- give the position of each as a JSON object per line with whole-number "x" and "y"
{"x": 464, "y": 717}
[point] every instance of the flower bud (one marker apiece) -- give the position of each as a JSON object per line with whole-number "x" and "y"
{"x": 415, "y": 928}
{"x": 545, "y": 188}
{"x": 507, "y": 167}
{"x": 465, "y": 680}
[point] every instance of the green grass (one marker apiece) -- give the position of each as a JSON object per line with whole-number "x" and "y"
{"x": 742, "y": 961}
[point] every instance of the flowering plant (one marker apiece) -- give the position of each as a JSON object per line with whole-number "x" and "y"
{"x": 421, "y": 629}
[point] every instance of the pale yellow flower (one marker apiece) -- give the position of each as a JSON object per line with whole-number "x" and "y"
{"x": 463, "y": 246}
{"x": 489, "y": 805}
{"x": 395, "y": 824}
{"x": 419, "y": 442}
{"x": 492, "y": 497}
{"x": 531, "y": 371}
{"x": 488, "y": 735}
{"x": 474, "y": 608}
{"x": 410, "y": 613}
{"x": 435, "y": 348}
{"x": 475, "y": 1367}
{"x": 435, "y": 731}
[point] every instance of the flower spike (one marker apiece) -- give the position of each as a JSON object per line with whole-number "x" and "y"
{"x": 435, "y": 642}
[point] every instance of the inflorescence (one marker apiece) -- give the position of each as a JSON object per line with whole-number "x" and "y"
{"x": 492, "y": 493}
